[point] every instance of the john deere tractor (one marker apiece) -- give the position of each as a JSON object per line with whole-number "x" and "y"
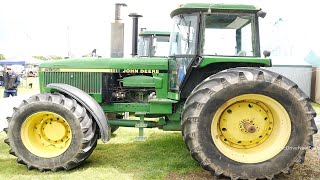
{"x": 237, "y": 119}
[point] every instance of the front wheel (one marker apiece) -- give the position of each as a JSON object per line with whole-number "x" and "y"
{"x": 248, "y": 123}
{"x": 51, "y": 132}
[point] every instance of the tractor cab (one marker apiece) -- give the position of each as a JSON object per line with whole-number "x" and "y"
{"x": 216, "y": 30}
{"x": 153, "y": 43}
{"x": 206, "y": 33}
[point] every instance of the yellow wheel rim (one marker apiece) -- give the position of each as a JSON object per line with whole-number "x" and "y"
{"x": 46, "y": 134}
{"x": 251, "y": 128}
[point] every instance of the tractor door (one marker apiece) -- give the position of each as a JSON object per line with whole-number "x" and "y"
{"x": 183, "y": 43}
{"x": 178, "y": 68}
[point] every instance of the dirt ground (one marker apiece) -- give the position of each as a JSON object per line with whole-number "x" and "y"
{"x": 309, "y": 170}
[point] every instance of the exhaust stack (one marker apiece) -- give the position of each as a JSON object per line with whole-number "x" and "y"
{"x": 117, "y": 33}
{"x": 135, "y": 22}
{"x": 117, "y": 16}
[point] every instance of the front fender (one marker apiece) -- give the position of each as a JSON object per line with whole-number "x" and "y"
{"x": 89, "y": 103}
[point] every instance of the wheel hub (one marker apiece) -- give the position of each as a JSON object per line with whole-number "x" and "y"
{"x": 46, "y": 134}
{"x": 245, "y": 124}
{"x": 53, "y": 131}
{"x": 249, "y": 127}
{"x": 49, "y": 133}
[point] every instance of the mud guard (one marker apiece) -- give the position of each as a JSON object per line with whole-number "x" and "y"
{"x": 89, "y": 103}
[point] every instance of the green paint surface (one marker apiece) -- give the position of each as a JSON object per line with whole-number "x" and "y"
{"x": 142, "y": 81}
{"x": 206, "y": 60}
{"x": 149, "y": 108}
{"x": 109, "y": 63}
{"x": 219, "y": 6}
{"x": 156, "y": 33}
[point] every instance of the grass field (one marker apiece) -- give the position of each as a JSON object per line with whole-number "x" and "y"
{"x": 162, "y": 155}
{"x": 316, "y": 108}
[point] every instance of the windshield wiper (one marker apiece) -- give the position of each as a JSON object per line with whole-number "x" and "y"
{"x": 188, "y": 33}
{"x": 187, "y": 30}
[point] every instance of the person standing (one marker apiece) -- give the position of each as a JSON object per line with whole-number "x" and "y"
{"x": 11, "y": 82}
{"x": 1, "y": 78}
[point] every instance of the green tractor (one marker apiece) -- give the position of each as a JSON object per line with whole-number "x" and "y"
{"x": 153, "y": 44}
{"x": 237, "y": 119}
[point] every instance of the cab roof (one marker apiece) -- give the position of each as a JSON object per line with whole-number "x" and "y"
{"x": 203, "y": 7}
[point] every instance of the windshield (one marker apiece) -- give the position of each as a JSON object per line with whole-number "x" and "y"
{"x": 153, "y": 45}
{"x": 183, "y": 37}
{"x": 229, "y": 34}
{"x": 144, "y": 46}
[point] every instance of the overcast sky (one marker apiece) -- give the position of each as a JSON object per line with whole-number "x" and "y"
{"x": 39, "y": 27}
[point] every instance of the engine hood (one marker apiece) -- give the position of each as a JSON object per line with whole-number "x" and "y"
{"x": 108, "y": 63}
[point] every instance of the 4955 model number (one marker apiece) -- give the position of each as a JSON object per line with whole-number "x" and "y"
{"x": 50, "y": 69}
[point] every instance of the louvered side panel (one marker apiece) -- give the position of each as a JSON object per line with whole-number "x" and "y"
{"x": 90, "y": 82}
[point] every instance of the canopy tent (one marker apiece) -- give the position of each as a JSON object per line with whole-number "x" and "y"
{"x": 23, "y": 63}
{"x": 20, "y": 62}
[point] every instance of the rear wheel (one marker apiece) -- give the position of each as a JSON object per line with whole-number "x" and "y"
{"x": 248, "y": 123}
{"x": 51, "y": 132}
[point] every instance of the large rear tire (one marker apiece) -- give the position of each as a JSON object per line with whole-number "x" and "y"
{"x": 51, "y": 132}
{"x": 248, "y": 123}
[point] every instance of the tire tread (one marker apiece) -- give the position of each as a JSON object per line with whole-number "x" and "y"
{"x": 192, "y": 110}
{"x": 88, "y": 126}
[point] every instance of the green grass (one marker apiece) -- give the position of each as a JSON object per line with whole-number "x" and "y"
{"x": 316, "y": 107}
{"x": 121, "y": 158}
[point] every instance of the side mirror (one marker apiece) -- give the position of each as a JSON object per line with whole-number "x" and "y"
{"x": 266, "y": 53}
{"x": 261, "y": 14}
